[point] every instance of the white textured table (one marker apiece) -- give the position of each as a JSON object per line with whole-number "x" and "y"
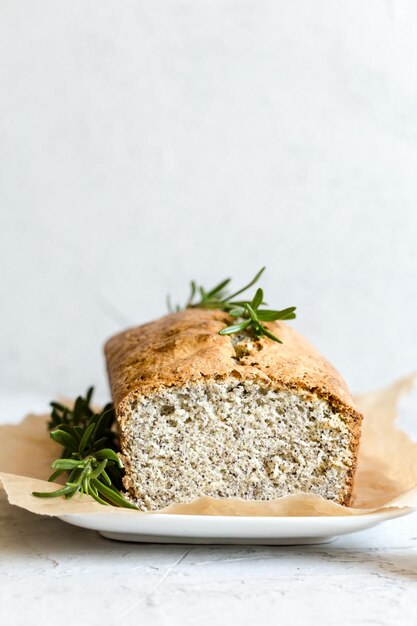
{"x": 51, "y": 572}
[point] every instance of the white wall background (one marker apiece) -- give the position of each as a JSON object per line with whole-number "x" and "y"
{"x": 146, "y": 143}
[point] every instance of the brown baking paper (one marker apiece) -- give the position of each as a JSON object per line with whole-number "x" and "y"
{"x": 386, "y": 476}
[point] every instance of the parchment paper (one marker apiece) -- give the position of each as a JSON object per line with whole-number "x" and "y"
{"x": 386, "y": 476}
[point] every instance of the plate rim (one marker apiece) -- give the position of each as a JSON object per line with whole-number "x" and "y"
{"x": 388, "y": 513}
{"x": 212, "y": 529}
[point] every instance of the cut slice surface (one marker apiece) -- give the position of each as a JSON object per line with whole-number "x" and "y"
{"x": 234, "y": 439}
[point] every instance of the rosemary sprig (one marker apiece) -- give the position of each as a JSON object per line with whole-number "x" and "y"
{"x": 89, "y": 452}
{"x": 249, "y": 314}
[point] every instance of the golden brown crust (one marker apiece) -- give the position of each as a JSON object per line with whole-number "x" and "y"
{"x": 186, "y": 347}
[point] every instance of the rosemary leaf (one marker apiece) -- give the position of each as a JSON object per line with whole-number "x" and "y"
{"x": 250, "y": 312}
{"x": 89, "y": 452}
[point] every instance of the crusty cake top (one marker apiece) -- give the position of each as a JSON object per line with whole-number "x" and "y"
{"x": 186, "y": 347}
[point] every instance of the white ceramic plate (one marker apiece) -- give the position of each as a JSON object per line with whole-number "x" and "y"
{"x": 229, "y": 530}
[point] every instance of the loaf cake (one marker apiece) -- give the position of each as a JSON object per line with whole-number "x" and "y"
{"x": 228, "y": 416}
